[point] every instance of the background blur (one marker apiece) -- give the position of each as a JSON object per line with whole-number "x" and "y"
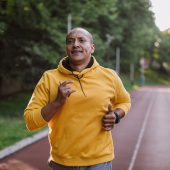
{"x": 32, "y": 40}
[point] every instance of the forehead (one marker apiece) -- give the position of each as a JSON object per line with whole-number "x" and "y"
{"x": 79, "y": 33}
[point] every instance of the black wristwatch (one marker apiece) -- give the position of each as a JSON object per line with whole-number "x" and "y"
{"x": 117, "y": 118}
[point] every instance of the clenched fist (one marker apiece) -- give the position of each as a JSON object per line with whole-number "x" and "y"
{"x": 64, "y": 91}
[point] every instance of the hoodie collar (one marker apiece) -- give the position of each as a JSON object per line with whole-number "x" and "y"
{"x": 66, "y": 64}
{"x": 65, "y": 68}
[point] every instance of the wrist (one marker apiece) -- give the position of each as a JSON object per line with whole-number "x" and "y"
{"x": 56, "y": 105}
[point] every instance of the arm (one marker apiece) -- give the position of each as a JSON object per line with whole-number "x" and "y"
{"x": 39, "y": 99}
{"x": 39, "y": 111}
{"x": 50, "y": 109}
{"x": 119, "y": 108}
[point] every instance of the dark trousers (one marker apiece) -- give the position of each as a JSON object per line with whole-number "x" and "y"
{"x": 101, "y": 166}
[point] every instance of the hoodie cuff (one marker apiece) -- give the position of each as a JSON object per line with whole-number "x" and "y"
{"x": 38, "y": 119}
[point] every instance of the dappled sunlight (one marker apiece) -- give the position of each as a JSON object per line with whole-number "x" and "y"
{"x": 14, "y": 164}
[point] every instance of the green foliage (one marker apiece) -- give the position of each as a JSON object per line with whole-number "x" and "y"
{"x": 13, "y": 106}
{"x": 32, "y": 33}
{"x": 152, "y": 78}
{"x": 164, "y": 46}
{"x": 138, "y": 28}
{"x": 161, "y": 52}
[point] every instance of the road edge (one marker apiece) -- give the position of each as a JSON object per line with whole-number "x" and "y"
{"x": 22, "y": 143}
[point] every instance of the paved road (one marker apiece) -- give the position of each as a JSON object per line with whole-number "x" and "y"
{"x": 141, "y": 139}
{"x": 33, "y": 157}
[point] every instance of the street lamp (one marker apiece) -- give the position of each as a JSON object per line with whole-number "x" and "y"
{"x": 69, "y": 18}
{"x": 110, "y": 38}
{"x": 142, "y": 76}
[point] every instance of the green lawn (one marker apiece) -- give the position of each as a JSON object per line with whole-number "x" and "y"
{"x": 12, "y": 130}
{"x": 12, "y": 126}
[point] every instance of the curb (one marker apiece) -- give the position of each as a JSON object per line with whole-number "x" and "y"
{"x": 22, "y": 143}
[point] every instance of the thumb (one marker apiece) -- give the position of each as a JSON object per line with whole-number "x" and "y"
{"x": 110, "y": 108}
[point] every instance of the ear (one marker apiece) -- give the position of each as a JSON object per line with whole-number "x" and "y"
{"x": 92, "y": 48}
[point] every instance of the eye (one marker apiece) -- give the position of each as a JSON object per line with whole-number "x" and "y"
{"x": 82, "y": 40}
{"x": 70, "y": 41}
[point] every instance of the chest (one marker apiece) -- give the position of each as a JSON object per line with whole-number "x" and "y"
{"x": 94, "y": 90}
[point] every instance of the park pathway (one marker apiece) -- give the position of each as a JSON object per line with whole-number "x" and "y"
{"x": 141, "y": 139}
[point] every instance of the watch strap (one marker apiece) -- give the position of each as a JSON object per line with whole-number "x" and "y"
{"x": 117, "y": 118}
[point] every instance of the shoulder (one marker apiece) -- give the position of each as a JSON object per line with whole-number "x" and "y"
{"x": 48, "y": 75}
{"x": 111, "y": 75}
{"x": 108, "y": 71}
{"x": 50, "y": 72}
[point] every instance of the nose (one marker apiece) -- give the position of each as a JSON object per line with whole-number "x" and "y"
{"x": 76, "y": 43}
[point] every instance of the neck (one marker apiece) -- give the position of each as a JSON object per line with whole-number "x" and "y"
{"x": 78, "y": 66}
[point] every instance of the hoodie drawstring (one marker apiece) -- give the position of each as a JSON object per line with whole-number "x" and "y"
{"x": 78, "y": 78}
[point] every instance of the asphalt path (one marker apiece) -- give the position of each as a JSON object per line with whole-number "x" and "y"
{"x": 141, "y": 139}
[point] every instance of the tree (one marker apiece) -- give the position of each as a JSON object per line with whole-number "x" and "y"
{"x": 32, "y": 33}
{"x": 138, "y": 30}
{"x": 163, "y": 48}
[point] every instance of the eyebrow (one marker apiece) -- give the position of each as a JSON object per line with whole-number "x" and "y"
{"x": 77, "y": 37}
{"x": 83, "y": 37}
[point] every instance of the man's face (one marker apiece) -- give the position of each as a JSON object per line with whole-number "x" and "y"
{"x": 79, "y": 46}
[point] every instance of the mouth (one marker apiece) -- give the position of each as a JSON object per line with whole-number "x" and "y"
{"x": 76, "y": 51}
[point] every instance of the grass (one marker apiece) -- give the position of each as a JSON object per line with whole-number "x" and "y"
{"x": 12, "y": 130}
{"x": 151, "y": 78}
{"x": 12, "y": 126}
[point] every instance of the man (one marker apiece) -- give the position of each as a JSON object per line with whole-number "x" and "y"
{"x": 81, "y": 102}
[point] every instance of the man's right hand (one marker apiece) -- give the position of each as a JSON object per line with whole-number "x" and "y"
{"x": 64, "y": 91}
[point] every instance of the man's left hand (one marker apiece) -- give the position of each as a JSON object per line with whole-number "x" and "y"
{"x": 109, "y": 119}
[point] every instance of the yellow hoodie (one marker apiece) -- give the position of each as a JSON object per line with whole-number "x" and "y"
{"x": 76, "y": 135}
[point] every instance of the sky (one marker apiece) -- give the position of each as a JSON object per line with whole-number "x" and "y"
{"x": 161, "y": 8}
